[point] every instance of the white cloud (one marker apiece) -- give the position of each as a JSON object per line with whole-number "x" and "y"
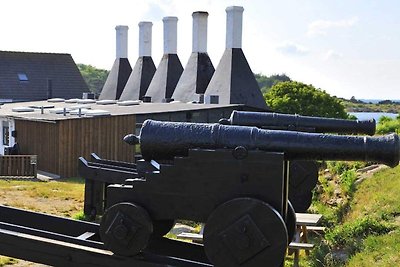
{"x": 331, "y": 55}
{"x": 321, "y": 27}
{"x": 290, "y": 48}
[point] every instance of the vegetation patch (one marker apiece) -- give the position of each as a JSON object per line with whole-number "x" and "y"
{"x": 7, "y": 261}
{"x": 378, "y": 251}
{"x": 296, "y": 97}
{"x": 62, "y": 197}
{"x": 388, "y": 125}
{"x": 365, "y": 232}
{"x": 354, "y": 105}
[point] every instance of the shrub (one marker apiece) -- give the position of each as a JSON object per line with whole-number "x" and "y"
{"x": 347, "y": 180}
{"x": 387, "y": 125}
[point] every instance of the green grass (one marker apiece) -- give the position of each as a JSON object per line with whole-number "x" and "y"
{"x": 378, "y": 251}
{"x": 378, "y": 196}
{"x": 7, "y": 261}
{"x": 367, "y": 232}
{"x": 62, "y": 197}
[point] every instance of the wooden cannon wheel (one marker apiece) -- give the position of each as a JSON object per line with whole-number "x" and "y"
{"x": 125, "y": 229}
{"x": 245, "y": 232}
{"x": 290, "y": 222}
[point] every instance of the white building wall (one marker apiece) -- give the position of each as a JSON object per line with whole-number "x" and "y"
{"x": 4, "y": 122}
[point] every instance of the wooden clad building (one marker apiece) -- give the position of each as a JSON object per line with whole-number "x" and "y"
{"x": 58, "y": 139}
{"x": 59, "y": 144}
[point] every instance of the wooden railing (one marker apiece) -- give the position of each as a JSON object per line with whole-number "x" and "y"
{"x": 18, "y": 166}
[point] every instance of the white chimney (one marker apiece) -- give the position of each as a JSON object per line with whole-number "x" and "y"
{"x": 145, "y": 38}
{"x": 170, "y": 35}
{"x": 199, "y": 44}
{"x": 122, "y": 41}
{"x": 234, "y": 19}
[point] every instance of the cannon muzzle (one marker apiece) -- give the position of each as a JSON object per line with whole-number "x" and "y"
{"x": 166, "y": 140}
{"x": 300, "y": 123}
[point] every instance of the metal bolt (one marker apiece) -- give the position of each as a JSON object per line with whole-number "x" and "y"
{"x": 120, "y": 232}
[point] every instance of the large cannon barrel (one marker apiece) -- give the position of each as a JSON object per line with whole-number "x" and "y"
{"x": 166, "y": 140}
{"x": 300, "y": 123}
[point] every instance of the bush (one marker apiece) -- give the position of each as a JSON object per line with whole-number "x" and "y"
{"x": 387, "y": 125}
{"x": 338, "y": 167}
{"x": 295, "y": 97}
{"x": 347, "y": 180}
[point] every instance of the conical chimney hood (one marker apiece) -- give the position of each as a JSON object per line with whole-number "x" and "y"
{"x": 121, "y": 68}
{"x": 199, "y": 69}
{"x": 233, "y": 81}
{"x": 169, "y": 70}
{"x": 144, "y": 69}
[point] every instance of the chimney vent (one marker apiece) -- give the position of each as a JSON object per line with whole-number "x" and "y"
{"x": 199, "y": 32}
{"x": 121, "y": 41}
{"x": 234, "y": 21}
{"x": 170, "y": 35}
{"x": 145, "y": 38}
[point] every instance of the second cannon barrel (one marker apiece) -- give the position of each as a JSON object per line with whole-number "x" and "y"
{"x": 166, "y": 140}
{"x": 300, "y": 123}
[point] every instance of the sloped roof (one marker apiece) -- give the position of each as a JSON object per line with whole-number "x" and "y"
{"x": 67, "y": 82}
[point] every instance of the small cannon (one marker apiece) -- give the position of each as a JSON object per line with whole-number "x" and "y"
{"x": 304, "y": 173}
{"x": 233, "y": 178}
{"x": 279, "y": 121}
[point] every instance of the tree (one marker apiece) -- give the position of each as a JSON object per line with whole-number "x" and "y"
{"x": 266, "y": 82}
{"x": 94, "y": 77}
{"x": 299, "y": 98}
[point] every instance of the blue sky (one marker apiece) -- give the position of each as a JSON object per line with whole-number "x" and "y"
{"x": 346, "y": 47}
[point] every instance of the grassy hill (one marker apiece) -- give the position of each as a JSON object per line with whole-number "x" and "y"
{"x": 364, "y": 229}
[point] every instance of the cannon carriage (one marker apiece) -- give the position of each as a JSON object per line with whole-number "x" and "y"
{"x": 233, "y": 178}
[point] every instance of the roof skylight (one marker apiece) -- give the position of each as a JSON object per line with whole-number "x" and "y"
{"x": 22, "y": 77}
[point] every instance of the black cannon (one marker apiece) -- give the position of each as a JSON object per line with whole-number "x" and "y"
{"x": 167, "y": 140}
{"x": 279, "y": 121}
{"x": 304, "y": 173}
{"x": 233, "y": 178}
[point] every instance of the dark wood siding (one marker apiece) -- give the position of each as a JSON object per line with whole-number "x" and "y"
{"x": 59, "y": 145}
{"x": 39, "y": 138}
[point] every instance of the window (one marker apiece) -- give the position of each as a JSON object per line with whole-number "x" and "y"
{"x": 6, "y": 133}
{"x": 23, "y": 77}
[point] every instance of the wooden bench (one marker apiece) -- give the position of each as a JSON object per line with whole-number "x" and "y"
{"x": 296, "y": 247}
{"x": 305, "y": 222}
{"x": 316, "y": 229}
{"x": 196, "y": 238}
